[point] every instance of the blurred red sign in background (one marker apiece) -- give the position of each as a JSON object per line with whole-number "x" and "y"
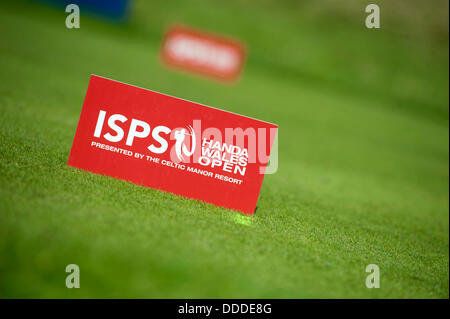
{"x": 203, "y": 53}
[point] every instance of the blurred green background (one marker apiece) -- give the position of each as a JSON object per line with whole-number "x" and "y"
{"x": 363, "y": 146}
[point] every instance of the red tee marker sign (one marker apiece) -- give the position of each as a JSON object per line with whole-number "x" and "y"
{"x": 171, "y": 144}
{"x": 203, "y": 53}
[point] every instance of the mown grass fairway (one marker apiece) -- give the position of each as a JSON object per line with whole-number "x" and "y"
{"x": 363, "y": 145}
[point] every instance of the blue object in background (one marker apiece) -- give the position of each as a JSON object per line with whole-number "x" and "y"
{"x": 113, "y": 9}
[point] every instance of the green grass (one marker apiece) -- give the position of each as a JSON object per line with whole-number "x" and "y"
{"x": 363, "y": 145}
